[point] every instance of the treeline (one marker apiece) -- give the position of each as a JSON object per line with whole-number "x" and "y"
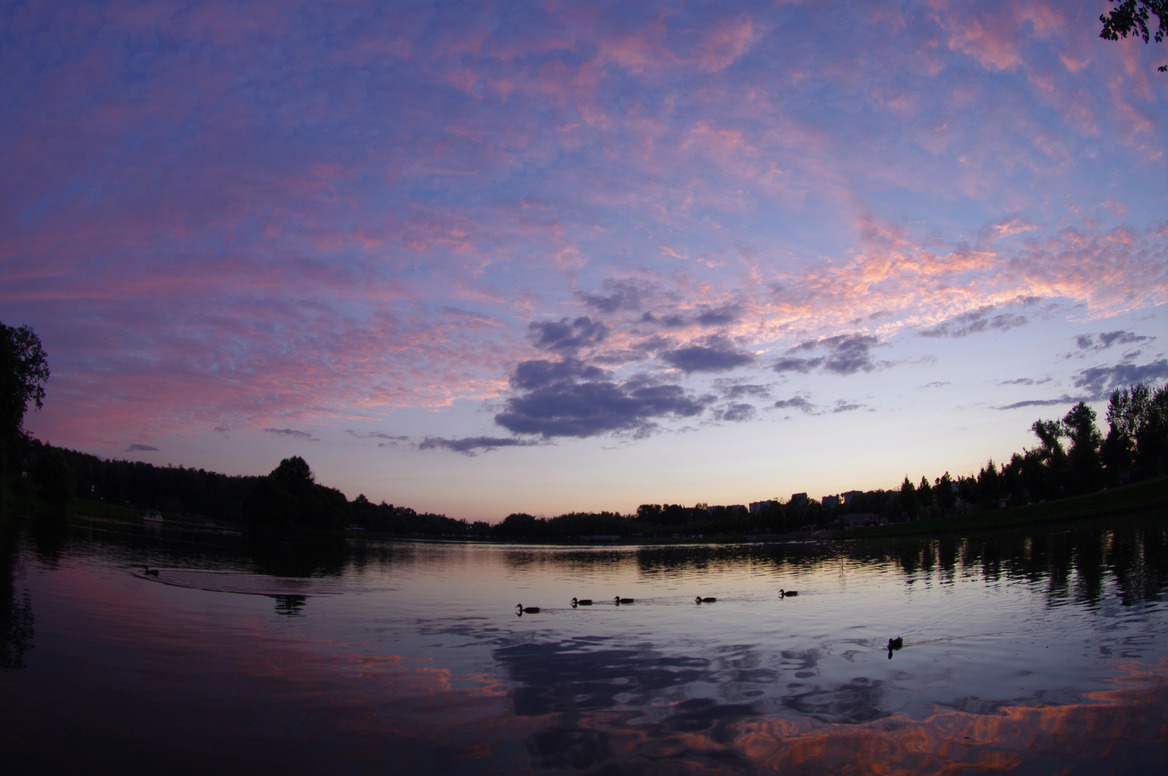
{"x": 288, "y": 497}
{"x": 1072, "y": 457}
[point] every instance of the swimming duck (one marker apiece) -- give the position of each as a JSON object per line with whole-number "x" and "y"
{"x": 784, "y": 593}
{"x": 526, "y": 609}
{"x": 149, "y": 571}
{"x": 895, "y": 643}
{"x": 581, "y": 602}
{"x": 708, "y": 600}
{"x": 618, "y": 600}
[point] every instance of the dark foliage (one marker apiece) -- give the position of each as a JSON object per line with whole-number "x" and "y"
{"x": 1133, "y": 17}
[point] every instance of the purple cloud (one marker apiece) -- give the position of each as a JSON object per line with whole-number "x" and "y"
{"x": 797, "y": 403}
{"x": 138, "y": 447}
{"x": 975, "y": 322}
{"x": 471, "y": 445}
{"x": 566, "y": 409}
{"x": 568, "y": 336}
{"x": 531, "y": 375}
{"x": 717, "y": 355}
{"x": 848, "y": 354}
{"x": 1101, "y": 381}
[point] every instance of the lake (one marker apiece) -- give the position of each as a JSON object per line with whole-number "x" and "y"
{"x": 1037, "y": 652}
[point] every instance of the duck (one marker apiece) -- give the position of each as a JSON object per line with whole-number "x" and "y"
{"x": 895, "y": 643}
{"x": 707, "y": 600}
{"x": 581, "y": 602}
{"x": 784, "y": 593}
{"x": 618, "y": 600}
{"x": 521, "y": 609}
{"x": 146, "y": 570}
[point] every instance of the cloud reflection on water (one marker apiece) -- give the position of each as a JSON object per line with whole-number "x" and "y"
{"x": 605, "y": 709}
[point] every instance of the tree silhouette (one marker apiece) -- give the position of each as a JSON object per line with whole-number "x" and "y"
{"x": 23, "y": 372}
{"x": 1130, "y": 17}
{"x": 1085, "y": 464}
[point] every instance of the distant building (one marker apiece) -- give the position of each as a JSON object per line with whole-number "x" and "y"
{"x": 799, "y": 499}
{"x": 757, "y": 507}
{"x": 831, "y": 502}
{"x": 851, "y": 496}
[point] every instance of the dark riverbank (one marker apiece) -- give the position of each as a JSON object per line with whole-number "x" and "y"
{"x": 1145, "y": 497}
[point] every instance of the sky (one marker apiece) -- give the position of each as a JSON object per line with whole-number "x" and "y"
{"x": 478, "y": 258}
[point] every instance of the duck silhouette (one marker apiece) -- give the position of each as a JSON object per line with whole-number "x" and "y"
{"x": 707, "y": 600}
{"x": 785, "y": 593}
{"x": 149, "y": 571}
{"x": 894, "y": 644}
{"x": 581, "y": 602}
{"x": 521, "y": 609}
{"x": 618, "y": 600}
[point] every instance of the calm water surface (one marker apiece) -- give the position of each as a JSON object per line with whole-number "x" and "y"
{"x": 1023, "y": 652}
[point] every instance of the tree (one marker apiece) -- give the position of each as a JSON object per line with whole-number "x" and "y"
{"x": 1130, "y": 17}
{"x": 55, "y": 480}
{"x": 946, "y": 496}
{"x": 1124, "y": 413}
{"x": 908, "y": 497}
{"x": 1152, "y": 436}
{"x": 1083, "y": 457}
{"x": 925, "y": 494}
{"x": 1051, "y": 453}
{"x": 290, "y": 498}
{"x": 23, "y": 373}
{"x": 1137, "y": 440}
{"x": 294, "y": 474}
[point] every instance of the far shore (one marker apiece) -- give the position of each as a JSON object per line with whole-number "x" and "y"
{"x": 1147, "y": 498}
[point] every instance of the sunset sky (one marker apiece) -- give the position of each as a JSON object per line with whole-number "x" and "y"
{"x": 482, "y": 258}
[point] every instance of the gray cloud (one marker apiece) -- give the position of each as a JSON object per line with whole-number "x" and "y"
{"x": 741, "y": 391}
{"x": 797, "y": 403}
{"x": 1064, "y": 399}
{"x": 720, "y": 316}
{"x": 141, "y": 448}
{"x": 800, "y": 365}
{"x": 471, "y": 445}
{"x": 844, "y": 406}
{"x": 669, "y": 321}
{"x": 975, "y": 322}
{"x": 566, "y": 336}
{"x": 291, "y": 433}
{"x": 737, "y": 413}
{"x": 708, "y": 317}
{"x": 385, "y": 440}
{"x": 621, "y": 295}
{"x": 584, "y": 409}
{"x": 530, "y": 375}
{"x": 1101, "y": 381}
{"x": 1097, "y": 342}
{"x": 717, "y": 355}
{"x": 1025, "y": 381}
{"x": 848, "y": 354}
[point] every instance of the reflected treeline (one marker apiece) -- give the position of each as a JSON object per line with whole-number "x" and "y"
{"x": 680, "y": 559}
{"x": 1074, "y": 564}
{"x": 16, "y": 617}
{"x": 296, "y": 554}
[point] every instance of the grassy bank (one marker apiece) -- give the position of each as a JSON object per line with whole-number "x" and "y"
{"x": 1148, "y": 496}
